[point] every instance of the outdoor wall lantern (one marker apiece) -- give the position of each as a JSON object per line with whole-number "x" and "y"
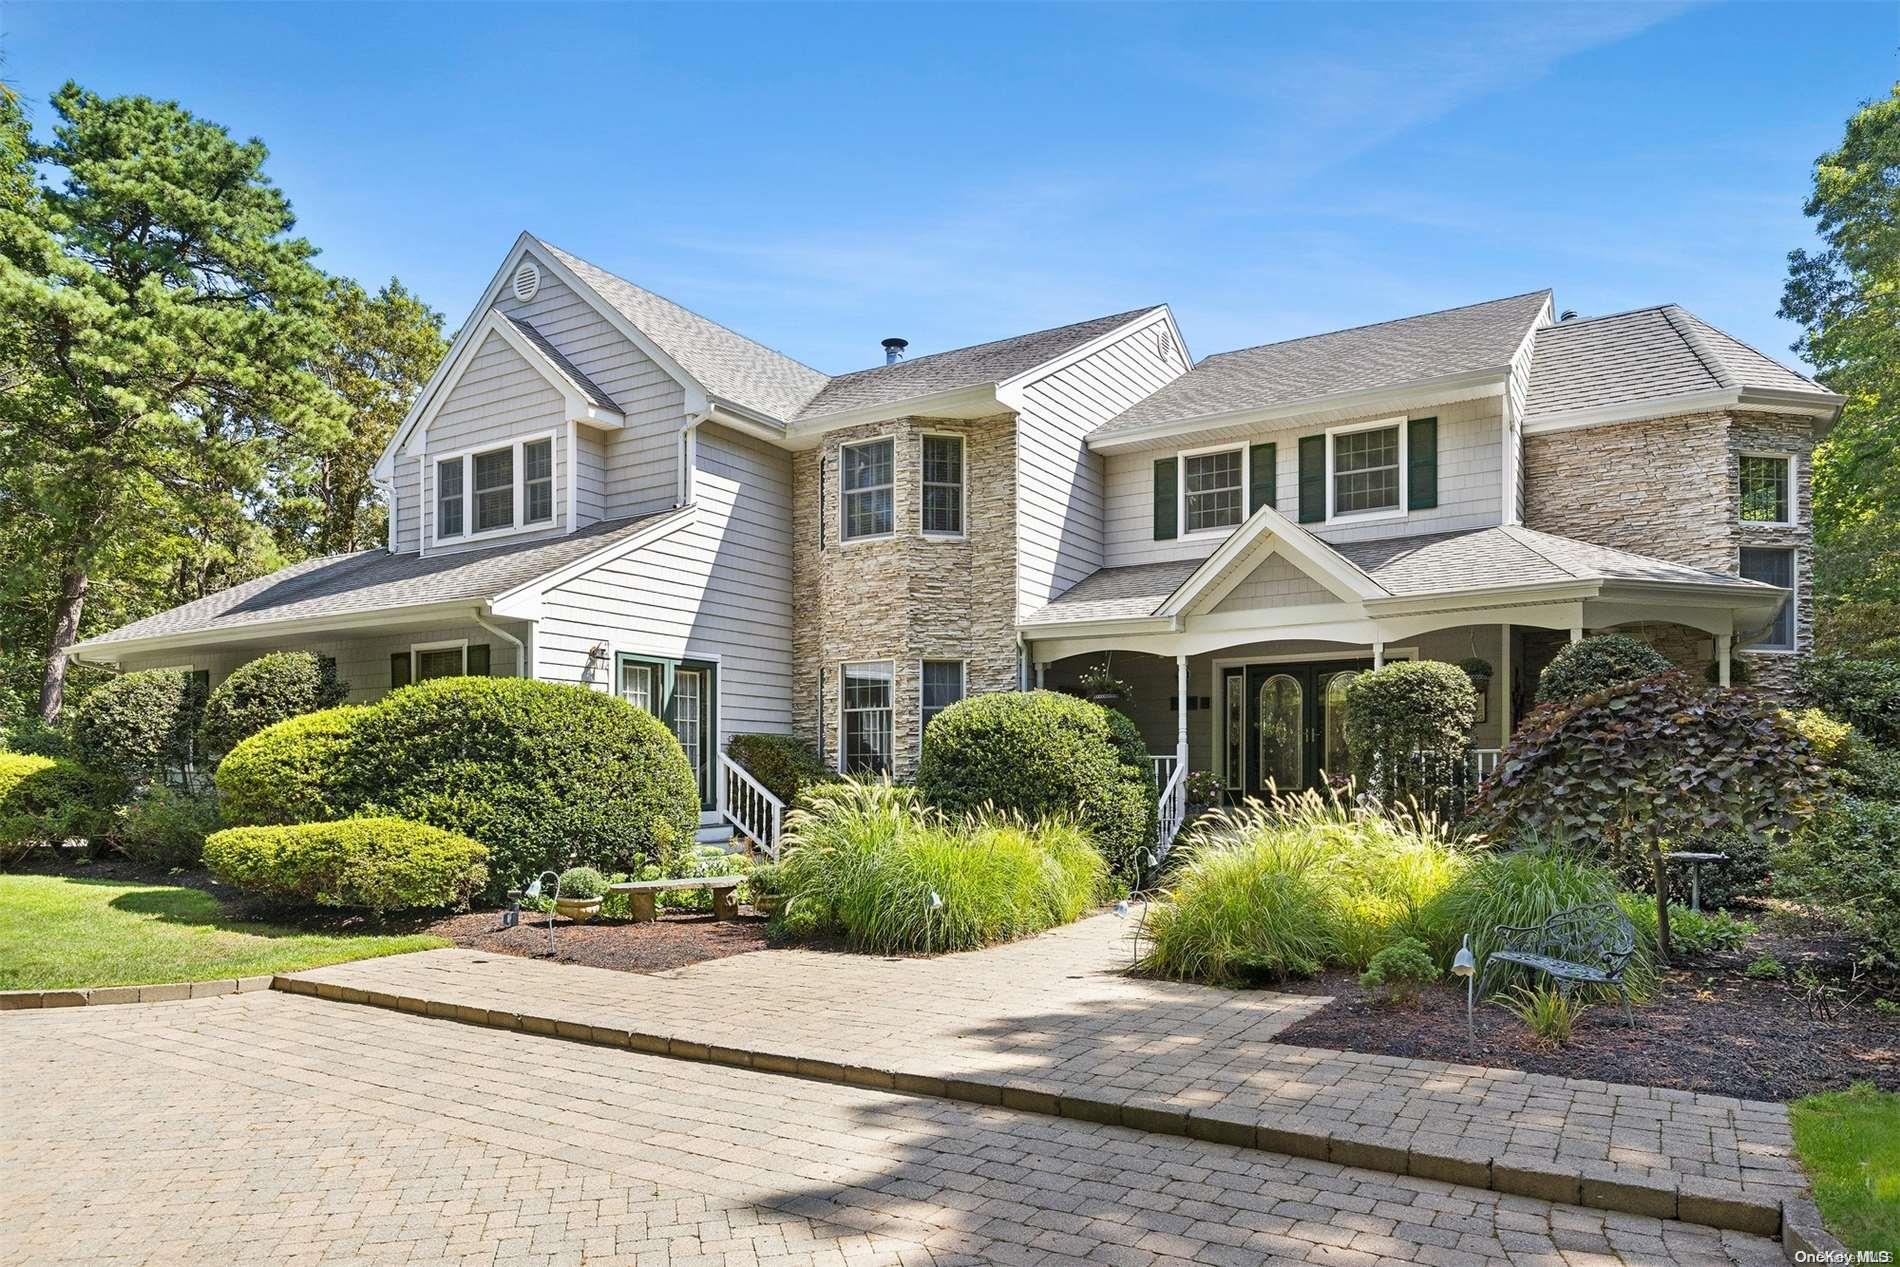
{"x": 1466, "y": 966}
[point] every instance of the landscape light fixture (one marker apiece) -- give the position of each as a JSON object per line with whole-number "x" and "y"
{"x": 1466, "y": 966}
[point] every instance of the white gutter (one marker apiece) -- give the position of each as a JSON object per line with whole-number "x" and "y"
{"x": 521, "y": 660}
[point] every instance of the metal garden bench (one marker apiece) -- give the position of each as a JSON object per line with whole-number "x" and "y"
{"x": 1584, "y": 945}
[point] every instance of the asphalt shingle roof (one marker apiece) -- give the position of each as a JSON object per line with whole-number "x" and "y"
{"x": 726, "y": 364}
{"x": 1436, "y": 563}
{"x": 961, "y": 367}
{"x": 564, "y": 367}
{"x": 375, "y": 580}
{"x": 1645, "y": 354}
{"x": 1388, "y": 354}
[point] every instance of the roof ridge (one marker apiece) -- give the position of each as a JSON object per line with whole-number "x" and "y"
{"x": 1704, "y": 327}
{"x": 1516, "y": 532}
{"x": 1374, "y": 325}
{"x": 576, "y": 377}
{"x": 1678, "y": 318}
{"x": 1007, "y": 338}
{"x": 693, "y": 312}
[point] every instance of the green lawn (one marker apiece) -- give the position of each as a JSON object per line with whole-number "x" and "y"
{"x": 1850, "y": 1143}
{"x": 61, "y": 932}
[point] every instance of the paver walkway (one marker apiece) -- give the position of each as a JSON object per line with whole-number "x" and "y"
{"x": 1053, "y": 1017}
{"x": 275, "y": 1129}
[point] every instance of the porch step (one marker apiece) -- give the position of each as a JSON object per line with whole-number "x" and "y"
{"x": 714, "y": 834}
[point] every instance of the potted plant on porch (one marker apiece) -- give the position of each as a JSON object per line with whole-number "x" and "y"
{"x": 1103, "y": 686}
{"x": 1478, "y": 669}
{"x": 579, "y": 894}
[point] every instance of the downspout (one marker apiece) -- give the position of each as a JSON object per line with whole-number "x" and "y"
{"x": 683, "y": 452}
{"x": 521, "y": 658}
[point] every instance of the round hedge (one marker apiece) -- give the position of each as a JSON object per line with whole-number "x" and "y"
{"x": 264, "y": 692}
{"x": 1407, "y": 725}
{"x": 546, "y": 775}
{"x": 1597, "y": 664}
{"x": 382, "y": 864}
{"x": 47, "y": 801}
{"x": 1040, "y": 753}
{"x": 290, "y": 772}
{"x": 139, "y": 725}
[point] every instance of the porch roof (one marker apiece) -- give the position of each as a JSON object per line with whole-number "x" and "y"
{"x": 373, "y": 581}
{"x": 1402, "y": 567}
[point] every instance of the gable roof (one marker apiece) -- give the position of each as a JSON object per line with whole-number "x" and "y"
{"x": 376, "y": 581}
{"x": 592, "y": 392}
{"x": 727, "y": 364}
{"x": 1387, "y": 354}
{"x": 1646, "y": 354}
{"x": 992, "y": 362}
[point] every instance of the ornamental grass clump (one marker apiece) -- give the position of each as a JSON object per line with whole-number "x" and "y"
{"x": 868, "y": 863}
{"x": 1294, "y": 886}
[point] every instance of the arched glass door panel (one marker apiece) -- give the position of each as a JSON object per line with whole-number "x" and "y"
{"x": 1334, "y": 758}
{"x": 1282, "y": 744}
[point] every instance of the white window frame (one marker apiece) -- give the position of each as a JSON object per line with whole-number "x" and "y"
{"x": 844, "y": 496}
{"x": 1181, "y": 495}
{"x": 1794, "y": 505}
{"x": 963, "y": 486}
{"x": 963, "y": 687}
{"x": 1405, "y": 463}
{"x": 843, "y": 665}
{"x": 1794, "y": 598}
{"x": 447, "y": 644}
{"x": 467, "y": 457}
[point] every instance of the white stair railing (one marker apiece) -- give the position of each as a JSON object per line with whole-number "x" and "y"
{"x": 753, "y": 812}
{"x": 1164, "y": 763}
{"x": 1483, "y": 762}
{"x": 1171, "y": 810}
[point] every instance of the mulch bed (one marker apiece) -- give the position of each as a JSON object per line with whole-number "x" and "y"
{"x": 1709, "y": 1029}
{"x": 674, "y": 940}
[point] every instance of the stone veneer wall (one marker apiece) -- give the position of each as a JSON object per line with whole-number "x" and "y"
{"x": 1670, "y": 488}
{"x": 908, "y": 598}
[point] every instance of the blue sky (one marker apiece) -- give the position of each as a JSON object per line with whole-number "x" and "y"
{"x": 821, "y": 177}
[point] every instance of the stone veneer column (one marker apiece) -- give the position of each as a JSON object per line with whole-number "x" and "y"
{"x": 1670, "y": 488}
{"x": 908, "y": 598}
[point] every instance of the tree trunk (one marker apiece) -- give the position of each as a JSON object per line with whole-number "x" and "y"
{"x": 1661, "y": 872}
{"x": 72, "y": 600}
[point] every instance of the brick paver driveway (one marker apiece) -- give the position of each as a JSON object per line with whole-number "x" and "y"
{"x": 274, "y": 1128}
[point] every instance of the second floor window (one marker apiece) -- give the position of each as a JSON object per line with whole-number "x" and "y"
{"x": 538, "y": 492}
{"x": 448, "y": 498}
{"x": 484, "y": 492}
{"x": 1765, "y": 487}
{"x": 1211, "y": 484}
{"x": 494, "y": 490}
{"x": 943, "y": 486}
{"x": 1366, "y": 471}
{"x": 866, "y": 474}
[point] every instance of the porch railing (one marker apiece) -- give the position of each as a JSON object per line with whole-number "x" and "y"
{"x": 1483, "y": 762}
{"x": 1164, "y": 763}
{"x": 753, "y": 812}
{"x": 1171, "y": 809}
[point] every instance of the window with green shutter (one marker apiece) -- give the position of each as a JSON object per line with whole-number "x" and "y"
{"x": 398, "y": 669}
{"x": 1262, "y": 475}
{"x": 478, "y": 660}
{"x": 1421, "y": 464}
{"x": 1312, "y": 479}
{"x": 1165, "y": 510}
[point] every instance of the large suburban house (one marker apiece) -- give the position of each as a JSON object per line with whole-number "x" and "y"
{"x": 599, "y": 486}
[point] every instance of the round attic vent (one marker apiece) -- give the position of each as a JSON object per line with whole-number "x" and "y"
{"x": 527, "y": 281}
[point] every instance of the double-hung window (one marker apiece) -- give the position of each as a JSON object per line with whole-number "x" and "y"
{"x": 490, "y": 491}
{"x": 1766, "y": 492}
{"x": 1366, "y": 470}
{"x": 866, "y": 472}
{"x": 1211, "y": 485}
{"x": 1773, "y": 567}
{"x": 865, "y": 713}
{"x": 943, "y": 486}
{"x": 942, "y": 687}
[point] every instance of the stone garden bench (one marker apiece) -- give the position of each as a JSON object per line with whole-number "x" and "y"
{"x": 1584, "y": 945}
{"x": 725, "y": 894}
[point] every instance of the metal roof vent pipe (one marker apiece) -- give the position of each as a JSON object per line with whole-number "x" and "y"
{"x": 1568, "y": 314}
{"x": 894, "y": 350}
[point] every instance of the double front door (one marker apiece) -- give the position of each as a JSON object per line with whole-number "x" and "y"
{"x": 1283, "y": 725}
{"x": 683, "y": 694}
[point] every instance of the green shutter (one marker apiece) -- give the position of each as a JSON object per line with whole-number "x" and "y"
{"x": 1312, "y": 479}
{"x": 478, "y": 659}
{"x": 1166, "y": 511}
{"x": 1262, "y": 476}
{"x": 1421, "y": 475}
{"x": 398, "y": 669}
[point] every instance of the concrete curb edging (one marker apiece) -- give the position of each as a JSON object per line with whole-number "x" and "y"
{"x": 93, "y": 996}
{"x": 1804, "y": 1239}
{"x": 1598, "y": 1185}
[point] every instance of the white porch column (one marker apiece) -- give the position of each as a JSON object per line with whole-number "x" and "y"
{"x": 1722, "y": 644}
{"x": 1180, "y": 723}
{"x": 1378, "y": 655}
{"x": 1041, "y": 671}
{"x": 1576, "y": 633}
{"x": 1504, "y": 677}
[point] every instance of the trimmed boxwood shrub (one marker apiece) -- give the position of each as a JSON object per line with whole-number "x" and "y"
{"x": 1407, "y": 727}
{"x": 1865, "y": 693}
{"x": 380, "y": 864}
{"x": 542, "y": 773}
{"x": 1042, "y": 754}
{"x": 1596, "y": 664}
{"x": 291, "y": 772}
{"x": 784, "y": 765}
{"x": 139, "y": 726}
{"x": 46, "y": 801}
{"x": 264, "y": 692}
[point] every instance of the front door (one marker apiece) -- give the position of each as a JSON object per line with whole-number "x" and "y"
{"x": 1286, "y": 724}
{"x": 683, "y": 694}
